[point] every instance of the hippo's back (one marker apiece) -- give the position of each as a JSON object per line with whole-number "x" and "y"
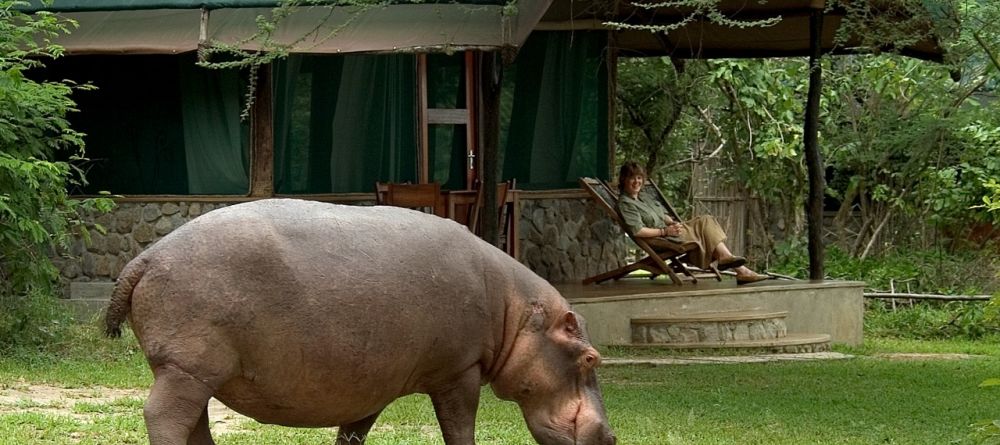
{"x": 331, "y": 293}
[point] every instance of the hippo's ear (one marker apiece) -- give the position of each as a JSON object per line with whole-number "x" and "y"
{"x": 572, "y": 325}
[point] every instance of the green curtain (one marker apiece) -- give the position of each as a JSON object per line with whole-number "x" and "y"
{"x": 344, "y": 122}
{"x": 216, "y": 143}
{"x": 157, "y": 124}
{"x": 554, "y": 111}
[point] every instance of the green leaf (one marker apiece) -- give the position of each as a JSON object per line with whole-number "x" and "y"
{"x": 990, "y": 382}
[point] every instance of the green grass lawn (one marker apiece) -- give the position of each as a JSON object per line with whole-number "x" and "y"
{"x": 870, "y": 399}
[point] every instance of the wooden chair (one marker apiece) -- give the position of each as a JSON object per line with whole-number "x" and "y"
{"x": 381, "y": 193}
{"x": 423, "y": 197}
{"x": 505, "y": 216}
{"x": 665, "y": 262}
{"x": 475, "y": 213}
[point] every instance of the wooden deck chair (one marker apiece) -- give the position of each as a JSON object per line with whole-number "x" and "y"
{"x": 651, "y": 192}
{"x": 424, "y": 197}
{"x": 667, "y": 262}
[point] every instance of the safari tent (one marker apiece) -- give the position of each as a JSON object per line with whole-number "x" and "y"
{"x": 457, "y": 92}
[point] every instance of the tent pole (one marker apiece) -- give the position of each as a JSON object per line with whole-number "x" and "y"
{"x": 261, "y": 137}
{"x": 490, "y": 77}
{"x": 814, "y": 160}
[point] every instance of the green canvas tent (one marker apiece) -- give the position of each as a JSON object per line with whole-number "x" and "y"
{"x": 175, "y": 26}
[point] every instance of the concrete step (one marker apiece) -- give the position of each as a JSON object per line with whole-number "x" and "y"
{"x": 86, "y": 310}
{"x": 91, "y": 290}
{"x": 791, "y": 343}
{"x": 724, "y": 359}
{"x": 709, "y": 327}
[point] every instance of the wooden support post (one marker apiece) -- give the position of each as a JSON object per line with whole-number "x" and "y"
{"x": 490, "y": 78}
{"x": 814, "y": 160}
{"x": 262, "y": 137}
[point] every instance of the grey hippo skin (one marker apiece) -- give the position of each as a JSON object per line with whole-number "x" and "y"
{"x": 309, "y": 314}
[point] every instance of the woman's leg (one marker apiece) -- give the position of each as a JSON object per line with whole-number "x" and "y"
{"x": 722, "y": 251}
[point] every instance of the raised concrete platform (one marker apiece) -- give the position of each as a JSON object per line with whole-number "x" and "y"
{"x": 835, "y": 308}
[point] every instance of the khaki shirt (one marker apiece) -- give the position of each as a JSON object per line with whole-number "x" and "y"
{"x": 638, "y": 213}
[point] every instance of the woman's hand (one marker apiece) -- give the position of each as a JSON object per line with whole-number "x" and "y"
{"x": 673, "y": 229}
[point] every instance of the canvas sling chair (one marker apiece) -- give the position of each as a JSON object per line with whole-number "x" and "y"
{"x": 669, "y": 260}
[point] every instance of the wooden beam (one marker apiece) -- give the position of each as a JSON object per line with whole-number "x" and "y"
{"x": 471, "y": 128}
{"x": 450, "y": 116}
{"x": 814, "y": 160}
{"x": 423, "y": 153}
{"x": 906, "y": 296}
{"x": 612, "y": 67}
{"x": 262, "y": 137}
{"x": 490, "y": 82}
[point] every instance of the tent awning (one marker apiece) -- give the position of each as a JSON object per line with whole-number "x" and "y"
{"x": 172, "y": 26}
{"x": 700, "y": 37}
{"x": 424, "y": 27}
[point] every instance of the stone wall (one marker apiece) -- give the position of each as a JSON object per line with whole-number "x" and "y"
{"x": 131, "y": 227}
{"x": 561, "y": 239}
{"x": 569, "y": 239}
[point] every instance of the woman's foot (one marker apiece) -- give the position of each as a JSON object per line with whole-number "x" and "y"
{"x": 731, "y": 262}
{"x": 751, "y": 277}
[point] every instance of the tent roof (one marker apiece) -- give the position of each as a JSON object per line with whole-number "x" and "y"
{"x": 700, "y": 38}
{"x": 134, "y": 5}
{"x": 175, "y": 26}
{"x": 172, "y": 26}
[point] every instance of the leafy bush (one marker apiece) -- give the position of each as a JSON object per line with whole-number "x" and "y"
{"x": 37, "y": 218}
{"x": 930, "y": 271}
{"x": 929, "y": 320}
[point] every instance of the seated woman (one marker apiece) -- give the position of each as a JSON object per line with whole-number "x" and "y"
{"x": 648, "y": 220}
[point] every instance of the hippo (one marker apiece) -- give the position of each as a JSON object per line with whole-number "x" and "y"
{"x": 310, "y": 314}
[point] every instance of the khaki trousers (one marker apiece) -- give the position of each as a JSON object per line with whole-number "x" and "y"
{"x": 703, "y": 230}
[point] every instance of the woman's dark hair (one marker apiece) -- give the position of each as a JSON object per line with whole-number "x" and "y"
{"x": 628, "y": 170}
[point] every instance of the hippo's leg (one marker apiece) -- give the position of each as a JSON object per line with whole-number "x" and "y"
{"x": 357, "y": 432}
{"x": 201, "y": 434}
{"x": 176, "y": 407}
{"x": 455, "y": 407}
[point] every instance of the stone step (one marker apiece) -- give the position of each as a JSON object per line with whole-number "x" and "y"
{"x": 91, "y": 290}
{"x": 791, "y": 343}
{"x": 710, "y": 327}
{"x": 86, "y": 309}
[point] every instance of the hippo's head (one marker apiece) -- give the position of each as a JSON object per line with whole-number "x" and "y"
{"x": 550, "y": 374}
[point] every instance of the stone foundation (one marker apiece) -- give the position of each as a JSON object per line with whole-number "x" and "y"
{"x": 569, "y": 239}
{"x": 131, "y": 227}
{"x": 562, "y": 239}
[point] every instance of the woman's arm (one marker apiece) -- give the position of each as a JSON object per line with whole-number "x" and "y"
{"x": 673, "y": 229}
{"x": 642, "y": 221}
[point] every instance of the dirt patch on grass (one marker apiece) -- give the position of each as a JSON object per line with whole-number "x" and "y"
{"x": 927, "y": 356}
{"x": 86, "y": 403}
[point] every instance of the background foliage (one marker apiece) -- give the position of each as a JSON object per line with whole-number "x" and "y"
{"x": 912, "y": 154}
{"x": 36, "y": 218}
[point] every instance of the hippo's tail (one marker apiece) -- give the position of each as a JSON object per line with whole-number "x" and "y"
{"x": 121, "y": 298}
